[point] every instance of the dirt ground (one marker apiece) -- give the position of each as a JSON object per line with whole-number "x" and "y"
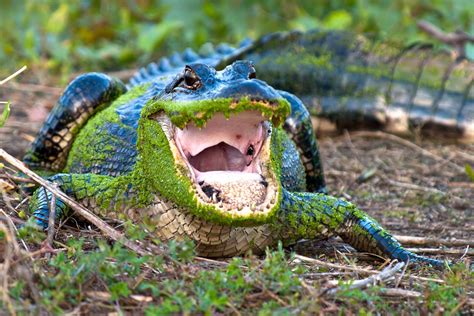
{"x": 413, "y": 187}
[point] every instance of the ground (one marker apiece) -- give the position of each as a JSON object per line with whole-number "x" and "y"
{"x": 413, "y": 187}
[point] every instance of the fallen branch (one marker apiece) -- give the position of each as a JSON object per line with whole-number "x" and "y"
{"x": 429, "y": 241}
{"x": 438, "y": 251}
{"x": 461, "y": 185}
{"x": 371, "y": 280}
{"x": 457, "y": 39}
{"x": 404, "y": 142}
{"x": 394, "y": 292}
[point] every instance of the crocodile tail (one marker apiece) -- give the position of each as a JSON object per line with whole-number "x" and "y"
{"x": 208, "y": 54}
{"x": 82, "y": 98}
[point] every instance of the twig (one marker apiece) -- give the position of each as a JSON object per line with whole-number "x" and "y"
{"x": 465, "y": 252}
{"x": 404, "y": 142}
{"x": 454, "y": 311}
{"x": 10, "y": 248}
{"x": 334, "y": 265}
{"x": 399, "y": 279}
{"x": 461, "y": 185}
{"x": 395, "y": 292}
{"x": 13, "y": 227}
{"x": 16, "y": 73}
{"x": 373, "y": 279}
{"x": 25, "y": 87}
{"x": 51, "y": 219}
{"x": 457, "y": 39}
{"x": 79, "y": 209}
{"x": 413, "y": 186}
{"x": 437, "y": 251}
{"x": 427, "y": 241}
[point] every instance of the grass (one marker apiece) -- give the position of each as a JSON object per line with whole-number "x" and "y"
{"x": 87, "y": 273}
{"x": 91, "y": 275}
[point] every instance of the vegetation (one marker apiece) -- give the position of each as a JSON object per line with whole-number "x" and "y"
{"x": 103, "y": 35}
{"x": 86, "y": 273}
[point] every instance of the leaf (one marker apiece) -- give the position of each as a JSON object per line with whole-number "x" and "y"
{"x": 338, "y": 20}
{"x": 58, "y": 20}
{"x": 119, "y": 289}
{"x": 366, "y": 175}
{"x": 151, "y": 36}
{"x": 470, "y": 172}
{"x": 304, "y": 23}
{"x": 5, "y": 114}
{"x": 470, "y": 51}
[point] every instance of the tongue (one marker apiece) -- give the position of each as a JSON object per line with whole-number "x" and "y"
{"x": 220, "y": 157}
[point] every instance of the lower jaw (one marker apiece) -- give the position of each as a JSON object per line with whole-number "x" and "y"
{"x": 234, "y": 189}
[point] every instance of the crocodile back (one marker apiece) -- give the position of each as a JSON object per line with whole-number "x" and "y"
{"x": 351, "y": 81}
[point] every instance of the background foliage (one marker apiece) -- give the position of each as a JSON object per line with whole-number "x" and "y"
{"x": 86, "y": 35}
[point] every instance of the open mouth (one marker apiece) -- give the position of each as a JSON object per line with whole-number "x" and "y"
{"x": 226, "y": 158}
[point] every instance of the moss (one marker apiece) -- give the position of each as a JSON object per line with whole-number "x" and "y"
{"x": 199, "y": 112}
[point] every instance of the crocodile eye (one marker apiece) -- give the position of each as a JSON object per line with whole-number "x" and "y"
{"x": 252, "y": 73}
{"x": 190, "y": 79}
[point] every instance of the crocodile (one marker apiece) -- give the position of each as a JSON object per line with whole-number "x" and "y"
{"x": 218, "y": 156}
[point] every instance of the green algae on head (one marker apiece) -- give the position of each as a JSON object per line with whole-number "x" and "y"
{"x": 199, "y": 112}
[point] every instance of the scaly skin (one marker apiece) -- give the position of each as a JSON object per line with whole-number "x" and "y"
{"x": 131, "y": 160}
{"x": 354, "y": 82}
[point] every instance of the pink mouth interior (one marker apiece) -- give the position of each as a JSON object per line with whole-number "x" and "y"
{"x": 224, "y": 144}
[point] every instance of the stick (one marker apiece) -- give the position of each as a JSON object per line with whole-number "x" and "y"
{"x": 437, "y": 251}
{"x": 399, "y": 292}
{"x": 334, "y": 265}
{"x": 19, "y": 71}
{"x": 409, "y": 144}
{"x": 51, "y": 219}
{"x": 28, "y": 87}
{"x": 429, "y": 241}
{"x": 371, "y": 280}
{"x": 413, "y": 186}
{"x": 457, "y": 39}
{"x": 79, "y": 209}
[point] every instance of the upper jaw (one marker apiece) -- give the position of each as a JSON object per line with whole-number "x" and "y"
{"x": 225, "y": 144}
{"x": 227, "y": 160}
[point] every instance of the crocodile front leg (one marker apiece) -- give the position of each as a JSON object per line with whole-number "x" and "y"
{"x": 78, "y": 186}
{"x": 312, "y": 215}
